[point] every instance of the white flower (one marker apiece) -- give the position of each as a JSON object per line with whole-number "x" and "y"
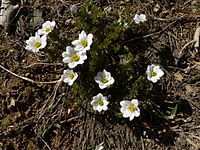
{"x": 104, "y": 79}
{"x": 69, "y": 76}
{"x": 36, "y": 42}
{"x": 130, "y": 109}
{"x": 99, "y": 102}
{"x": 83, "y": 43}
{"x": 126, "y": 25}
{"x": 139, "y": 18}
{"x": 72, "y": 57}
{"x": 47, "y": 27}
{"x": 154, "y": 73}
{"x": 99, "y": 147}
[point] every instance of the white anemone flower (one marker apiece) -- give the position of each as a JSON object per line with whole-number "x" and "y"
{"x": 99, "y": 147}
{"x": 36, "y": 42}
{"x": 99, "y": 102}
{"x": 47, "y": 27}
{"x": 130, "y": 109}
{"x": 69, "y": 76}
{"x": 72, "y": 57}
{"x": 104, "y": 79}
{"x": 83, "y": 43}
{"x": 139, "y": 18}
{"x": 154, "y": 73}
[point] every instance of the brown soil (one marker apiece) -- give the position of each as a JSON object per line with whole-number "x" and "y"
{"x": 44, "y": 116}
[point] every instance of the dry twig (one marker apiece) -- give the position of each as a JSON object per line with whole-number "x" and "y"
{"x": 27, "y": 79}
{"x": 196, "y": 37}
{"x": 6, "y": 13}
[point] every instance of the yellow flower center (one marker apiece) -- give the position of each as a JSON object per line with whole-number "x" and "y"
{"x": 84, "y": 43}
{"x": 37, "y": 44}
{"x": 100, "y": 102}
{"x": 71, "y": 76}
{"x": 131, "y": 108}
{"x": 153, "y": 74}
{"x": 74, "y": 57}
{"x": 47, "y": 29}
{"x": 104, "y": 80}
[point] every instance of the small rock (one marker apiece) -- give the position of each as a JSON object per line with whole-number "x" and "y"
{"x": 156, "y": 8}
{"x": 178, "y": 76}
{"x": 190, "y": 90}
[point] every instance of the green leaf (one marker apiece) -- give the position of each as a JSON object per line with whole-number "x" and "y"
{"x": 48, "y": 127}
{"x": 164, "y": 117}
{"x": 173, "y": 112}
{"x": 5, "y": 120}
{"x": 89, "y": 148}
{"x": 58, "y": 126}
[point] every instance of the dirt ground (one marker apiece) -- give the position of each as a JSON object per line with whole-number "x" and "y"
{"x": 44, "y": 116}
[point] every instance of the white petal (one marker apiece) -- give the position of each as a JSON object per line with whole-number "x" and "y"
{"x": 75, "y": 76}
{"x": 80, "y": 61}
{"x": 40, "y": 32}
{"x": 35, "y": 50}
{"x": 95, "y": 107}
{"x": 136, "y": 16}
{"x": 125, "y": 103}
{"x": 93, "y": 102}
{"x": 82, "y": 36}
{"x": 31, "y": 40}
{"x": 43, "y": 45}
{"x": 134, "y": 102}
{"x": 70, "y": 83}
{"x": 99, "y": 108}
{"x": 65, "y": 54}
{"x": 76, "y": 42}
{"x": 149, "y": 78}
{"x": 102, "y": 86}
{"x": 105, "y": 72}
{"x": 66, "y": 60}
{"x": 83, "y": 57}
{"x": 156, "y": 68}
{"x": 99, "y": 95}
{"x": 154, "y": 80}
{"x": 72, "y": 64}
{"x": 28, "y": 48}
{"x": 97, "y": 79}
{"x": 137, "y": 112}
{"x": 78, "y": 48}
{"x": 89, "y": 39}
{"x": 100, "y": 74}
{"x": 131, "y": 117}
{"x": 104, "y": 98}
{"x": 160, "y": 73}
{"x": 122, "y": 109}
{"x": 66, "y": 80}
{"x": 112, "y": 80}
{"x": 137, "y": 20}
{"x": 53, "y": 23}
{"x": 70, "y": 50}
{"x": 86, "y": 48}
{"x": 143, "y": 17}
{"x": 105, "y": 108}
{"x": 105, "y": 102}
{"x": 126, "y": 113}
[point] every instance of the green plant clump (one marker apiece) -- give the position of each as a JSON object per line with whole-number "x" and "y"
{"x": 113, "y": 49}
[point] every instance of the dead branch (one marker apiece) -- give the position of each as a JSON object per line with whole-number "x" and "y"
{"x": 30, "y": 80}
{"x": 6, "y": 14}
{"x": 196, "y": 37}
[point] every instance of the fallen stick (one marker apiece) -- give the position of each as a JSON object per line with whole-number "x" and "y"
{"x": 7, "y": 11}
{"x": 196, "y": 37}
{"x": 195, "y": 40}
{"x": 30, "y": 80}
